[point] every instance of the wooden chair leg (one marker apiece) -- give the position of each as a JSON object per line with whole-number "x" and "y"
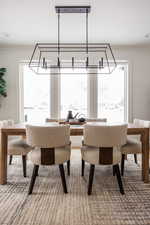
{"x": 82, "y": 169}
{"x": 63, "y": 179}
{"x": 135, "y": 158}
{"x": 68, "y": 167}
{"x": 32, "y": 182}
{"x": 10, "y": 159}
{"x": 122, "y": 164}
{"x": 24, "y": 163}
{"x": 114, "y": 171}
{"x": 117, "y": 172}
{"x": 91, "y": 176}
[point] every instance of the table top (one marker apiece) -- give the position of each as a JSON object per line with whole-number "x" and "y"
{"x": 74, "y": 126}
{"x": 75, "y": 130}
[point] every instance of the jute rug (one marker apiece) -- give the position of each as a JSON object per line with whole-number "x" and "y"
{"x": 49, "y": 206}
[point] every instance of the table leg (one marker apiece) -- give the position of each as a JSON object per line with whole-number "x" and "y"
{"x": 3, "y": 158}
{"x": 145, "y": 156}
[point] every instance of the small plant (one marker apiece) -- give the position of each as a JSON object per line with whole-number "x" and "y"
{"x": 2, "y": 82}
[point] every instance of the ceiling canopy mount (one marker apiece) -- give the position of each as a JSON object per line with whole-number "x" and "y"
{"x": 73, "y": 9}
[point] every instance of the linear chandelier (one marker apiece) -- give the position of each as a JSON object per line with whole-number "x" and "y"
{"x": 77, "y": 58}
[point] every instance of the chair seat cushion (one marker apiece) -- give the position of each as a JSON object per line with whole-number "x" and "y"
{"x": 50, "y": 156}
{"x": 133, "y": 146}
{"x": 18, "y": 146}
{"x": 103, "y": 156}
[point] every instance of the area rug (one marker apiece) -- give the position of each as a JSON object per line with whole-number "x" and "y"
{"x": 48, "y": 205}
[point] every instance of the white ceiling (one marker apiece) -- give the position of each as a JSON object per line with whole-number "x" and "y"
{"x": 120, "y": 22}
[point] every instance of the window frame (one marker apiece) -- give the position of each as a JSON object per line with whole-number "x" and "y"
{"x": 92, "y": 93}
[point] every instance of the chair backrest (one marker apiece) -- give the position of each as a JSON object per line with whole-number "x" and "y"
{"x": 48, "y": 136}
{"x": 141, "y": 123}
{"x": 105, "y": 135}
{"x": 97, "y": 120}
{"x": 5, "y": 123}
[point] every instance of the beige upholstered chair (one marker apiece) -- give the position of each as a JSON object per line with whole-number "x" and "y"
{"x": 49, "y": 120}
{"x": 93, "y": 120}
{"x": 102, "y": 147}
{"x": 133, "y": 145}
{"x": 51, "y": 146}
{"x": 17, "y": 146}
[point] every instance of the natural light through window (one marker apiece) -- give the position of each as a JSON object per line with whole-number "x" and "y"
{"x": 73, "y": 94}
{"x": 111, "y": 95}
{"x": 36, "y": 96}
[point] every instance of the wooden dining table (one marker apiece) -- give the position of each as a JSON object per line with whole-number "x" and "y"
{"x": 19, "y": 129}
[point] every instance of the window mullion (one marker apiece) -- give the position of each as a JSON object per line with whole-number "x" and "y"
{"x": 54, "y": 96}
{"x": 92, "y": 95}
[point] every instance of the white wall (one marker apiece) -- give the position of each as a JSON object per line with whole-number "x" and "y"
{"x": 139, "y": 72}
{"x": 10, "y": 58}
{"x": 139, "y": 77}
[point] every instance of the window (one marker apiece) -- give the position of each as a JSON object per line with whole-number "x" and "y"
{"x": 36, "y": 96}
{"x": 112, "y": 99}
{"x": 73, "y": 94}
{"x": 102, "y": 96}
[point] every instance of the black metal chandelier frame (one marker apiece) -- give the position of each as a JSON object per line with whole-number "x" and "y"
{"x": 52, "y": 58}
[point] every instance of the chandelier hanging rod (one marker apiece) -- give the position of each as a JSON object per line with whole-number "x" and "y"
{"x": 73, "y": 9}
